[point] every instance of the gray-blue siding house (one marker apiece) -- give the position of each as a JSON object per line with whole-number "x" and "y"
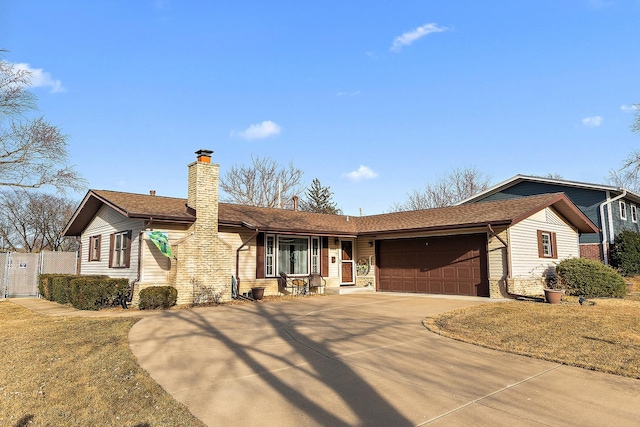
{"x": 611, "y": 209}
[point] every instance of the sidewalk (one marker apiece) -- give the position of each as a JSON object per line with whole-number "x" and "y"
{"x": 50, "y": 308}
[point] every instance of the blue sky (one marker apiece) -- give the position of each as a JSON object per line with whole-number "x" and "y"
{"x": 372, "y": 98}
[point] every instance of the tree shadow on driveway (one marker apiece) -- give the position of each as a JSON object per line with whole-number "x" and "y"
{"x": 265, "y": 363}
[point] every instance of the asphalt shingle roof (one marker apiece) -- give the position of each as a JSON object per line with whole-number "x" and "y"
{"x": 281, "y": 220}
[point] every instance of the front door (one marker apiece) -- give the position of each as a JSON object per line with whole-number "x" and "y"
{"x": 347, "y": 271}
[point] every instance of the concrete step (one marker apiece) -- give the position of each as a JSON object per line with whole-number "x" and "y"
{"x": 356, "y": 290}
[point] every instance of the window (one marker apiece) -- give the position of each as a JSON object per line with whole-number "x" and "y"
{"x": 634, "y": 213}
{"x": 270, "y": 256}
{"x": 94, "y": 248}
{"x": 293, "y": 255}
{"x": 315, "y": 255}
{"x": 120, "y": 253}
{"x": 623, "y": 210}
{"x": 547, "y": 244}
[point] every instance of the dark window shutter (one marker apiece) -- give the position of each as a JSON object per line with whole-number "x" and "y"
{"x": 260, "y": 256}
{"x": 128, "y": 246}
{"x": 112, "y": 239}
{"x": 90, "y": 251}
{"x": 554, "y": 249}
{"x": 324, "y": 263}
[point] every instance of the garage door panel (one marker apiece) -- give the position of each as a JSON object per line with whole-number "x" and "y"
{"x": 445, "y": 265}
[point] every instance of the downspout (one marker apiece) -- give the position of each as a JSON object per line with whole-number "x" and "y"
{"x": 506, "y": 250}
{"x": 139, "y": 275}
{"x": 244, "y": 224}
{"x": 605, "y": 251}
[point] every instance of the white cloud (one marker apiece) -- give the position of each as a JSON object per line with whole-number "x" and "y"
{"x": 409, "y": 37}
{"x": 363, "y": 172}
{"x": 41, "y": 78}
{"x": 354, "y": 93}
{"x": 593, "y": 121}
{"x": 260, "y": 131}
{"x": 627, "y": 108}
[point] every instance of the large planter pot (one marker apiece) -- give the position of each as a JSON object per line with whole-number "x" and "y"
{"x": 257, "y": 292}
{"x": 553, "y": 296}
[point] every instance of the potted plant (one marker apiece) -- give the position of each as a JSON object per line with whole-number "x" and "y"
{"x": 553, "y": 289}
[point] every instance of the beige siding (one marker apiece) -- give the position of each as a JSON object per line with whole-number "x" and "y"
{"x": 497, "y": 255}
{"x": 247, "y": 259}
{"x": 524, "y": 243}
{"x": 155, "y": 266}
{"x": 106, "y": 222}
{"x": 363, "y": 250}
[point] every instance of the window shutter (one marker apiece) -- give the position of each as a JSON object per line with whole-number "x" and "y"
{"x": 112, "y": 238}
{"x": 554, "y": 249}
{"x": 128, "y": 246}
{"x": 90, "y": 251}
{"x": 99, "y": 247}
{"x": 260, "y": 256}
{"x": 324, "y": 263}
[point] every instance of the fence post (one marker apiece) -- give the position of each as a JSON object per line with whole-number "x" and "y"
{"x": 5, "y": 275}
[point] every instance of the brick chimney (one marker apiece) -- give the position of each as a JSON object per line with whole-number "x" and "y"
{"x": 203, "y": 192}
{"x": 203, "y": 258}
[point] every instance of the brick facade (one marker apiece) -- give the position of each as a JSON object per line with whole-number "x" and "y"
{"x": 592, "y": 251}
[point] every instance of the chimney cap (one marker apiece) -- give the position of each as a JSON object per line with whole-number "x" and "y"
{"x": 203, "y": 152}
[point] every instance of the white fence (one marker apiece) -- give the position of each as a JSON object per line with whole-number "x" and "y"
{"x": 19, "y": 271}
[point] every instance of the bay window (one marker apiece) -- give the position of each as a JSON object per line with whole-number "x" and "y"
{"x": 292, "y": 255}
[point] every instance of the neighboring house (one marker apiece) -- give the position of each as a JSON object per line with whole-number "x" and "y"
{"x": 488, "y": 249}
{"x": 611, "y": 209}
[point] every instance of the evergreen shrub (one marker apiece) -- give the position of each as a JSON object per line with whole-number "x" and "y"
{"x": 157, "y": 297}
{"x": 590, "y": 278}
{"x": 625, "y": 254}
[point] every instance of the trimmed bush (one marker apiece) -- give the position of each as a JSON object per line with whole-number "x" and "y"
{"x": 45, "y": 285}
{"x": 625, "y": 255}
{"x": 157, "y": 297}
{"x": 91, "y": 293}
{"x": 590, "y": 278}
{"x": 83, "y": 292}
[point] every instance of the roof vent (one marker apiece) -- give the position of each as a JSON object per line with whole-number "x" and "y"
{"x": 152, "y": 192}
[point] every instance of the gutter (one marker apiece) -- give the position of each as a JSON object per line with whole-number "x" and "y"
{"x": 139, "y": 274}
{"x": 256, "y": 231}
{"x": 605, "y": 251}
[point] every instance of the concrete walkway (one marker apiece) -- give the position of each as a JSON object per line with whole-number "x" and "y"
{"x": 363, "y": 360}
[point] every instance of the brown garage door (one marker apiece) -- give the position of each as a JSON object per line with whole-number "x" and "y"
{"x": 452, "y": 265}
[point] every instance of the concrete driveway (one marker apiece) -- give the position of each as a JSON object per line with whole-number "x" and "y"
{"x": 362, "y": 360}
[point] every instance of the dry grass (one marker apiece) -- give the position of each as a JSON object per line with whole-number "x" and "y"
{"x": 77, "y": 372}
{"x": 602, "y": 335}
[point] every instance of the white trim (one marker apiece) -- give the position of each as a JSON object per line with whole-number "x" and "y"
{"x": 634, "y": 213}
{"x": 623, "y": 210}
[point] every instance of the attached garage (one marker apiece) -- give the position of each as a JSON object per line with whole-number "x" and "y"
{"x": 451, "y": 265}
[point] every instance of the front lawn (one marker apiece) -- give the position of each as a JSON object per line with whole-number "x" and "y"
{"x": 602, "y": 334}
{"x": 72, "y": 371}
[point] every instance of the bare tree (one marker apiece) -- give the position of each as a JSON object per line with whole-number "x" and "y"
{"x": 264, "y": 183}
{"x": 628, "y": 175}
{"x": 635, "y": 127}
{"x": 33, "y": 152}
{"x": 460, "y": 184}
{"x": 34, "y": 221}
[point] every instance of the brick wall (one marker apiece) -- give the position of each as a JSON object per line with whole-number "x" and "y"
{"x": 591, "y": 251}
